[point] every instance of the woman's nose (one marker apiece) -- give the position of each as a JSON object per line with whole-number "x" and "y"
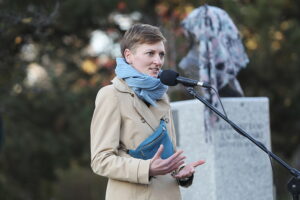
{"x": 158, "y": 60}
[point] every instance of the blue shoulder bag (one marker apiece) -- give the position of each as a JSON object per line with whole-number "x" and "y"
{"x": 147, "y": 149}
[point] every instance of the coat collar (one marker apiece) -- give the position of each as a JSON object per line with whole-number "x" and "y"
{"x": 121, "y": 85}
{"x": 151, "y": 114}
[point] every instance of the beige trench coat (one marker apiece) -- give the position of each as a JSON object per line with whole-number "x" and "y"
{"x": 121, "y": 119}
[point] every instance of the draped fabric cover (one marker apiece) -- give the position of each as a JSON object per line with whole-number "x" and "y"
{"x": 217, "y": 52}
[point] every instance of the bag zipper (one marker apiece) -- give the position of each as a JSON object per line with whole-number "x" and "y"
{"x": 155, "y": 139}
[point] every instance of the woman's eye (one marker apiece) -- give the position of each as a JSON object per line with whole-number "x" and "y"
{"x": 162, "y": 55}
{"x": 150, "y": 53}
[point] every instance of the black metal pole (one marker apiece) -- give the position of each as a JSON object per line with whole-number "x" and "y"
{"x": 294, "y": 183}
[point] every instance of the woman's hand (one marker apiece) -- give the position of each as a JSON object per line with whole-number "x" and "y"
{"x": 158, "y": 166}
{"x": 188, "y": 170}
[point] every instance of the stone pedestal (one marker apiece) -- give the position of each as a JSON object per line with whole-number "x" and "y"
{"x": 235, "y": 168}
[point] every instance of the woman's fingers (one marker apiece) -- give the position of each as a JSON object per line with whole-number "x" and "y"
{"x": 160, "y": 166}
{"x": 185, "y": 173}
{"x": 197, "y": 163}
{"x": 176, "y": 166}
{"x": 189, "y": 169}
{"x": 175, "y": 161}
{"x": 159, "y": 152}
{"x": 174, "y": 156}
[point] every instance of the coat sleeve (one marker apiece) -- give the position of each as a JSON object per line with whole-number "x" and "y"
{"x": 105, "y": 139}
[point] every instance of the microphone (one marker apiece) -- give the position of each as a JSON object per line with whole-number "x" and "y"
{"x": 172, "y": 78}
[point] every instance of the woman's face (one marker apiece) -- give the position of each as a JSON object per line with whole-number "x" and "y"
{"x": 146, "y": 58}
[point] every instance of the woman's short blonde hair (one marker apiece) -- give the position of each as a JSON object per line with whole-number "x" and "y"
{"x": 141, "y": 34}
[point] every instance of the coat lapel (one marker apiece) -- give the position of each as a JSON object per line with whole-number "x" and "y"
{"x": 161, "y": 111}
{"x": 145, "y": 112}
{"x": 151, "y": 114}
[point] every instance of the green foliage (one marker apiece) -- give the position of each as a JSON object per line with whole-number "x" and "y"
{"x": 44, "y": 131}
{"x": 79, "y": 183}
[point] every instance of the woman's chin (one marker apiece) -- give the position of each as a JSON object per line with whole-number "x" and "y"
{"x": 154, "y": 75}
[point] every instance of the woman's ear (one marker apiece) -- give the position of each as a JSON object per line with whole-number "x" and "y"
{"x": 128, "y": 56}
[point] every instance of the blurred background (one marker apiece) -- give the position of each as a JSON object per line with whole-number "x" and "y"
{"x": 55, "y": 55}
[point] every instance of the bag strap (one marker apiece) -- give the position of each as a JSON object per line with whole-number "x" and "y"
{"x": 123, "y": 148}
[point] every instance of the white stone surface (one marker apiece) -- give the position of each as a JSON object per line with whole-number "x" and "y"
{"x": 235, "y": 168}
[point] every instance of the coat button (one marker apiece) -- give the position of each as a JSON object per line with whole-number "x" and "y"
{"x": 132, "y": 95}
{"x": 166, "y": 120}
{"x": 143, "y": 120}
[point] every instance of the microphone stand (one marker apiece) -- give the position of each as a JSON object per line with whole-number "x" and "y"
{"x": 293, "y": 184}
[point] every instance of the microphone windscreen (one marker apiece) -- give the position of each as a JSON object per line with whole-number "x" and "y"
{"x": 168, "y": 77}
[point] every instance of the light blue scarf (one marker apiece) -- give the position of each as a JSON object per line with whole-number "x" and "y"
{"x": 146, "y": 87}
